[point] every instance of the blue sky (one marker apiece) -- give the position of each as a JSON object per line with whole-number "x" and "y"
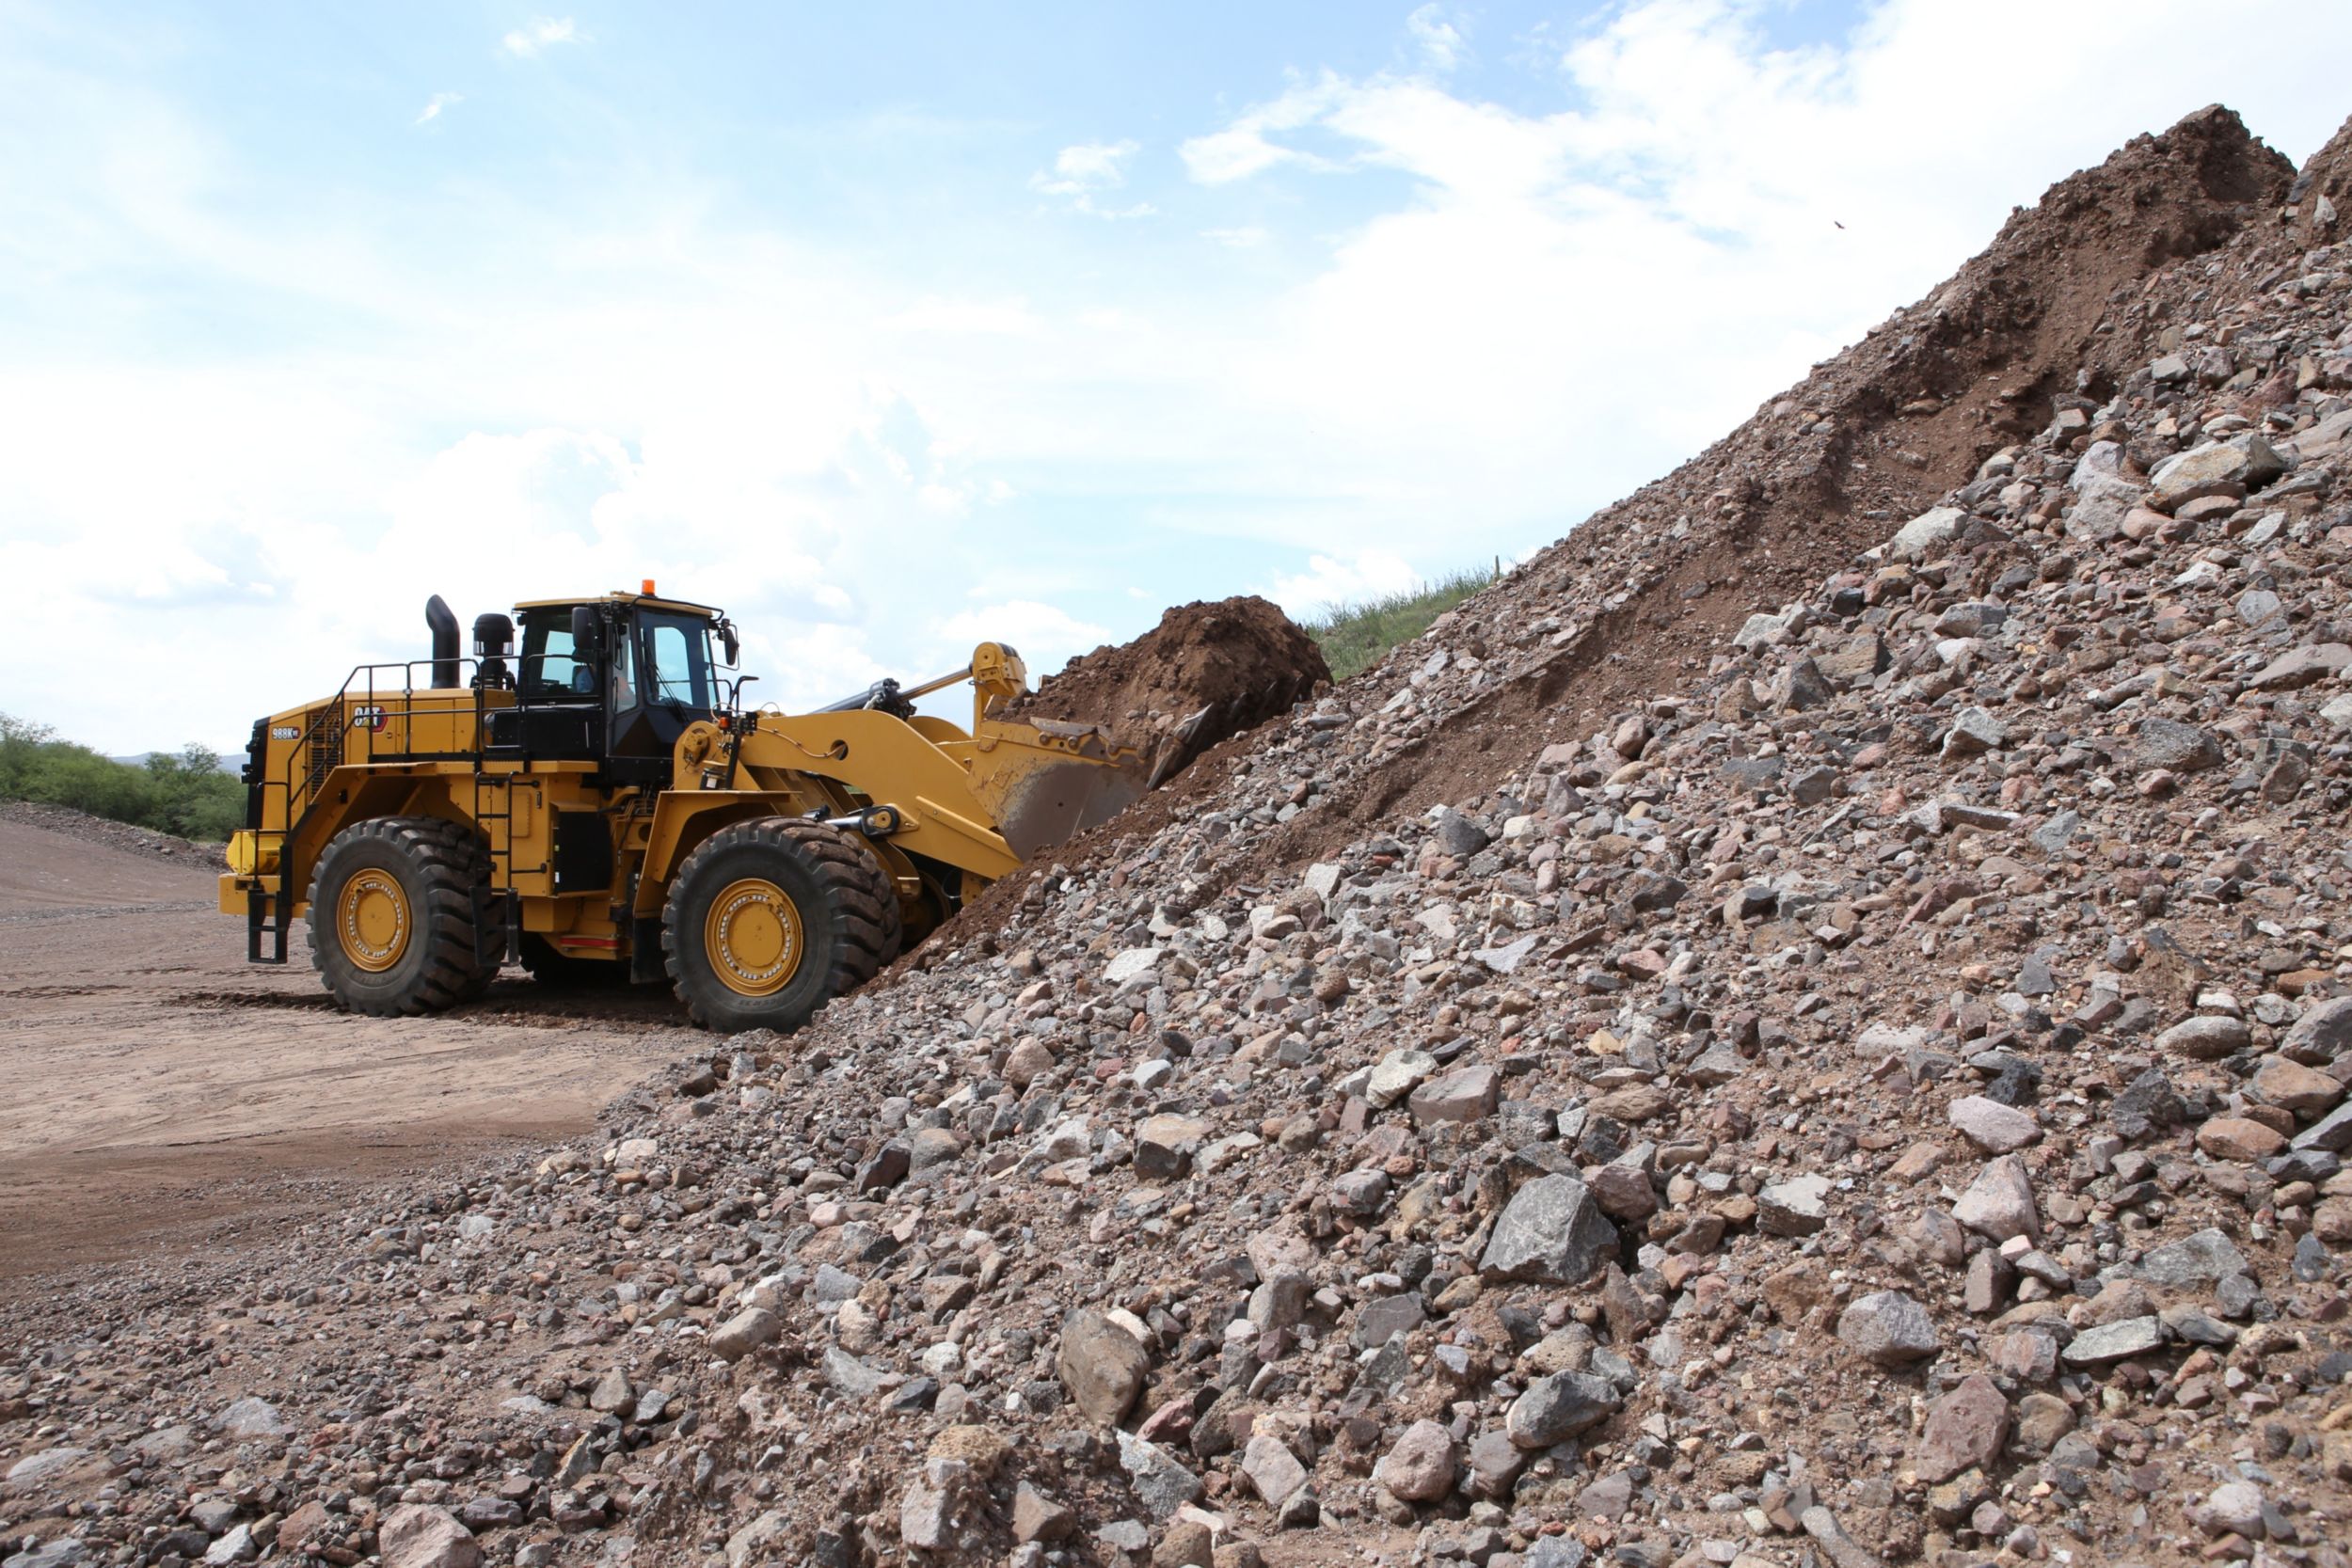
{"x": 892, "y": 328}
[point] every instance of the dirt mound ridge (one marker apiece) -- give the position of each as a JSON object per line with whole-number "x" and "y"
{"x": 1207, "y": 672}
{"x": 113, "y": 835}
{"x": 1878, "y": 433}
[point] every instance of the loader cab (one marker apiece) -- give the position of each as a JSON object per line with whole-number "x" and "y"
{"x": 616, "y": 680}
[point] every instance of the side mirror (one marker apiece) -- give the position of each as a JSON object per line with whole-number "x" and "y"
{"x": 727, "y": 640}
{"x": 587, "y": 634}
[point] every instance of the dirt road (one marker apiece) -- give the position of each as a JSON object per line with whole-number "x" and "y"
{"x": 164, "y": 1096}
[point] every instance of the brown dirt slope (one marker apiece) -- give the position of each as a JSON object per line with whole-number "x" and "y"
{"x": 1235, "y": 663}
{"x": 1874, "y": 434}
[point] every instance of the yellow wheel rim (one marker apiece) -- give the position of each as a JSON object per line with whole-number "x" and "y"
{"x": 752, "y": 935}
{"x": 372, "y": 919}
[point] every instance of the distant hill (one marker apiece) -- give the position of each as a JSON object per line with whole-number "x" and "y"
{"x": 230, "y": 762}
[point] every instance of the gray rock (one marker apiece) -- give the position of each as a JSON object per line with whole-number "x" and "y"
{"x": 1396, "y": 1075}
{"x": 2300, "y": 667}
{"x": 2148, "y": 1104}
{"x": 2115, "y": 1341}
{"x": 1797, "y": 1207}
{"x": 845, "y": 1374}
{"x": 40, "y": 1466}
{"x": 2213, "y": 470}
{"x": 1974, "y": 732}
{"x": 1926, "y": 534}
{"x": 66, "y": 1551}
{"x": 1609, "y": 1497}
{"x": 757, "y": 1540}
{"x": 1384, "y": 1318}
{"x": 2058, "y": 832}
{"x": 1999, "y": 1203}
{"x": 2236, "y": 1507}
{"x": 1558, "y": 1408}
{"x": 1996, "y": 1127}
{"x": 1466, "y": 1094}
{"x": 2205, "y": 1259}
{"x": 1038, "y": 1517}
{"x": 1556, "y": 1551}
{"x": 1165, "y": 1144}
{"x": 1420, "y": 1469}
{"x": 419, "y": 1535}
{"x": 1888, "y": 1329}
{"x": 1764, "y": 630}
{"x": 1272, "y": 1468}
{"x": 1100, "y": 1364}
{"x": 2179, "y": 748}
{"x": 1459, "y": 835}
{"x": 1551, "y": 1232}
{"x": 2332, "y": 1132}
{"x": 831, "y": 1286}
{"x": 1965, "y": 1431}
{"x": 1162, "y": 1484}
{"x": 237, "y": 1546}
{"x": 2206, "y": 1038}
{"x": 1842, "y": 1550}
{"x": 2323, "y": 1032}
{"x": 251, "y": 1418}
{"x": 744, "y": 1333}
{"x": 612, "y": 1395}
{"x": 1814, "y": 785}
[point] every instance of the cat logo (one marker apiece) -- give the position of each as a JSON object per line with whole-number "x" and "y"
{"x": 372, "y": 719}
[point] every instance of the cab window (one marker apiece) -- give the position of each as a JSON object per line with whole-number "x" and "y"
{"x": 677, "y": 660}
{"x": 548, "y": 670}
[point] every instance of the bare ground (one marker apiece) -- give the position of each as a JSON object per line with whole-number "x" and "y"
{"x": 165, "y": 1095}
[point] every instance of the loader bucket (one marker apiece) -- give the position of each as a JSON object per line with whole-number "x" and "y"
{"x": 1054, "y": 802}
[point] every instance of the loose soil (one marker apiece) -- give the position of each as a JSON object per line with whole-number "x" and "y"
{"x": 1207, "y": 672}
{"x": 166, "y": 1096}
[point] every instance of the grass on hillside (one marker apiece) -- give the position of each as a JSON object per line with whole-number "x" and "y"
{"x": 1355, "y": 633}
{"x": 187, "y": 795}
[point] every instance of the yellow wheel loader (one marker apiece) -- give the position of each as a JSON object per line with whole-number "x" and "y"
{"x": 588, "y": 795}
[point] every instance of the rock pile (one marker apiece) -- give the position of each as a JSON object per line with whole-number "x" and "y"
{"x": 1876, "y": 1095}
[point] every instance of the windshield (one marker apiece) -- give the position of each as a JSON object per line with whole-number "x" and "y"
{"x": 548, "y": 669}
{"x": 677, "y": 660}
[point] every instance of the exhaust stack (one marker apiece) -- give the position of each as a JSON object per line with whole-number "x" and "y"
{"x": 444, "y": 624}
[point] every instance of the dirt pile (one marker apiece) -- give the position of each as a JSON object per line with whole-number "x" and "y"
{"x": 1856, "y": 1074}
{"x": 1207, "y": 672}
{"x": 113, "y": 836}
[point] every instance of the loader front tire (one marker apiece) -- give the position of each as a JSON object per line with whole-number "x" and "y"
{"x": 392, "y": 909}
{"x": 771, "y": 919}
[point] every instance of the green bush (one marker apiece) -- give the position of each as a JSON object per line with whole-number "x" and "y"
{"x": 187, "y": 795}
{"x": 1353, "y": 635}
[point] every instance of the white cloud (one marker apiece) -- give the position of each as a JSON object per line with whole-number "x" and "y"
{"x": 434, "y": 105}
{"x": 1329, "y": 580}
{"x": 1087, "y": 166}
{"x": 935, "y": 313}
{"x": 1046, "y": 636}
{"x": 1087, "y": 170}
{"x": 1441, "y": 43}
{"x": 541, "y": 33}
{"x": 1244, "y": 148}
{"x": 1247, "y": 237}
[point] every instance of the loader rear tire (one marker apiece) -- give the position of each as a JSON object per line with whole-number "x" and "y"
{"x": 393, "y": 907}
{"x": 769, "y": 920}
